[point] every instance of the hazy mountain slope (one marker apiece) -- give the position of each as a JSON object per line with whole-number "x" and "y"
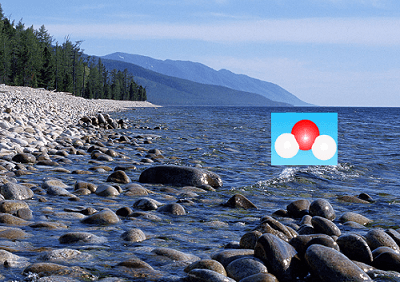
{"x": 200, "y": 73}
{"x": 167, "y": 90}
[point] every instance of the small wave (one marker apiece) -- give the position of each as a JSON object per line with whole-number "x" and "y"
{"x": 341, "y": 171}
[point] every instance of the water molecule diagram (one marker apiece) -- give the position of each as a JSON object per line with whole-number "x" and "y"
{"x": 305, "y": 136}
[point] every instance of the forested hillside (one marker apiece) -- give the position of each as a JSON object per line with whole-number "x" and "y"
{"x": 29, "y": 57}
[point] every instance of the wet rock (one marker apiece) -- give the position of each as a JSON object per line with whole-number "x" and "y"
{"x": 119, "y": 176}
{"x": 275, "y": 224}
{"x": 180, "y": 176}
{"x": 244, "y": 267}
{"x": 107, "y": 191}
{"x": 325, "y": 226}
{"x": 381, "y": 250}
{"x": 240, "y": 201}
{"x": 328, "y": 265}
{"x": 56, "y": 188}
{"x": 124, "y": 211}
{"x": 355, "y": 217}
{"x": 44, "y": 268}
{"x": 379, "y": 238}
{"x": 146, "y": 204}
{"x": 278, "y": 256}
{"x": 323, "y": 208}
{"x": 306, "y": 220}
{"x": 13, "y": 234}
{"x": 104, "y": 217}
{"x": 175, "y": 209}
{"x": 174, "y": 255}
{"x": 134, "y": 235}
{"x": 24, "y": 158}
{"x": 11, "y": 260}
{"x": 355, "y": 248}
{"x": 136, "y": 190}
{"x": 301, "y": 242}
{"x": 352, "y": 199}
{"x": 135, "y": 263}
{"x": 207, "y": 264}
{"x": 48, "y": 225}
{"x": 395, "y": 235}
{"x": 61, "y": 255}
{"x": 225, "y": 257}
{"x": 11, "y": 206}
{"x": 12, "y": 220}
{"x": 366, "y": 197}
{"x": 85, "y": 185}
{"x": 206, "y": 275}
{"x": 81, "y": 237}
{"x": 24, "y": 213}
{"x": 261, "y": 277}
{"x": 387, "y": 261}
{"x": 298, "y": 208}
{"x": 249, "y": 240}
{"x": 13, "y": 191}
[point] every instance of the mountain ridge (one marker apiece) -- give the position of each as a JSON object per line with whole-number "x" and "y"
{"x": 201, "y": 73}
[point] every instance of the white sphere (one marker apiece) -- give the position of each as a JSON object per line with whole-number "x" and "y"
{"x": 324, "y": 147}
{"x": 286, "y": 146}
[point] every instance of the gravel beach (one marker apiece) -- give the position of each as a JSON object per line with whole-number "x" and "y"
{"x": 76, "y": 206}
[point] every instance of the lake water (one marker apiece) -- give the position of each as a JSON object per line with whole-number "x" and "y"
{"x": 233, "y": 142}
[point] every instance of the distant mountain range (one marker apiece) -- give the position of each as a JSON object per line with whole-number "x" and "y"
{"x": 187, "y": 83}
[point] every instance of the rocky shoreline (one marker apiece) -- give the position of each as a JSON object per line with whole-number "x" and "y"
{"x": 75, "y": 207}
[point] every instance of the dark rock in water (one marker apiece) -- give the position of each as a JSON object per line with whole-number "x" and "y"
{"x": 210, "y": 264}
{"x": 24, "y": 158}
{"x": 56, "y": 187}
{"x": 387, "y": 261}
{"x": 225, "y": 257}
{"x": 13, "y": 191}
{"x": 355, "y": 247}
{"x": 249, "y": 239}
{"x": 135, "y": 263}
{"x": 206, "y": 275}
{"x": 44, "y": 268}
{"x": 366, "y": 197}
{"x": 104, "y": 217}
{"x": 301, "y": 242}
{"x": 239, "y": 201}
{"x": 323, "y": 208}
{"x": 278, "y": 256}
{"x": 124, "y": 211}
{"x": 175, "y": 209}
{"x": 244, "y": 267}
{"x": 329, "y": 265}
{"x": 382, "y": 250}
{"x": 107, "y": 191}
{"x": 355, "y": 217}
{"x": 174, "y": 255}
{"x": 379, "y": 238}
{"x": 325, "y": 226}
{"x": 395, "y": 235}
{"x": 134, "y": 235}
{"x": 352, "y": 199}
{"x": 299, "y": 208}
{"x": 146, "y": 204}
{"x": 285, "y": 230}
{"x": 119, "y": 176}
{"x": 81, "y": 237}
{"x": 261, "y": 277}
{"x": 180, "y": 176}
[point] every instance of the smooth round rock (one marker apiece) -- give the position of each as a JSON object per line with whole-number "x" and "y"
{"x": 175, "y": 209}
{"x": 330, "y": 265}
{"x": 107, "y": 191}
{"x": 240, "y": 201}
{"x": 61, "y": 255}
{"x": 225, "y": 257}
{"x": 355, "y": 217}
{"x": 24, "y": 158}
{"x": 135, "y": 263}
{"x": 387, "y": 261}
{"x": 134, "y": 235}
{"x": 244, "y": 267}
{"x": 81, "y": 237}
{"x": 104, "y": 217}
{"x": 355, "y": 247}
{"x": 379, "y": 238}
{"x": 324, "y": 241}
{"x": 298, "y": 208}
{"x": 175, "y": 255}
{"x": 56, "y": 187}
{"x": 14, "y": 191}
{"x": 277, "y": 256}
{"x": 207, "y": 275}
{"x": 210, "y": 264}
{"x": 261, "y": 277}
{"x": 301, "y": 242}
{"x": 119, "y": 176}
{"x": 249, "y": 239}
{"x": 11, "y": 206}
{"x": 325, "y": 226}
{"x": 146, "y": 204}
{"x": 323, "y": 208}
{"x": 180, "y": 176}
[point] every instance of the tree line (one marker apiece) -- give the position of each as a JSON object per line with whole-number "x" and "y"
{"x": 28, "y": 57}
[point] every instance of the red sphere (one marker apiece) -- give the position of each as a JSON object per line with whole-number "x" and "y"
{"x": 305, "y": 132}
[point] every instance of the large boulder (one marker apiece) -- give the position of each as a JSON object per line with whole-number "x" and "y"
{"x": 180, "y": 176}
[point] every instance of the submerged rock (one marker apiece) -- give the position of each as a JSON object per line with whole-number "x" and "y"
{"x": 180, "y": 176}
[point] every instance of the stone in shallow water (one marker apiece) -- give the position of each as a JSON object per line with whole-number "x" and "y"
{"x": 119, "y": 176}
{"x": 330, "y": 265}
{"x": 107, "y": 191}
{"x": 278, "y": 256}
{"x": 11, "y": 206}
{"x": 174, "y": 255}
{"x": 104, "y": 217}
{"x": 180, "y": 176}
{"x": 244, "y": 267}
{"x": 134, "y": 235}
{"x": 355, "y": 217}
{"x": 298, "y": 208}
{"x": 61, "y": 255}
{"x": 225, "y": 257}
{"x": 175, "y": 209}
{"x": 240, "y": 201}
{"x": 261, "y": 277}
{"x": 249, "y": 239}
{"x": 56, "y": 187}
{"x": 207, "y": 264}
{"x": 14, "y": 191}
{"x": 323, "y": 208}
{"x": 206, "y": 275}
{"x": 355, "y": 247}
{"x": 379, "y": 238}
{"x": 325, "y": 226}
{"x": 146, "y": 204}
{"x": 24, "y": 158}
{"x": 387, "y": 261}
{"x": 81, "y": 237}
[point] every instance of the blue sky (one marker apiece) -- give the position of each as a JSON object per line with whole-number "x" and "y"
{"x": 326, "y": 52}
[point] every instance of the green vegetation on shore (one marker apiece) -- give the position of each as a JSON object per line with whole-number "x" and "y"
{"x": 28, "y": 57}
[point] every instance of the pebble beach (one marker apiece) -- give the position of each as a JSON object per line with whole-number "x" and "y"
{"x": 75, "y": 206}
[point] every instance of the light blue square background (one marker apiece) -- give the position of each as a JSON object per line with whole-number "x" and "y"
{"x": 283, "y": 123}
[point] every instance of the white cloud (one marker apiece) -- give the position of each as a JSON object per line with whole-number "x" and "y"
{"x": 370, "y": 31}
